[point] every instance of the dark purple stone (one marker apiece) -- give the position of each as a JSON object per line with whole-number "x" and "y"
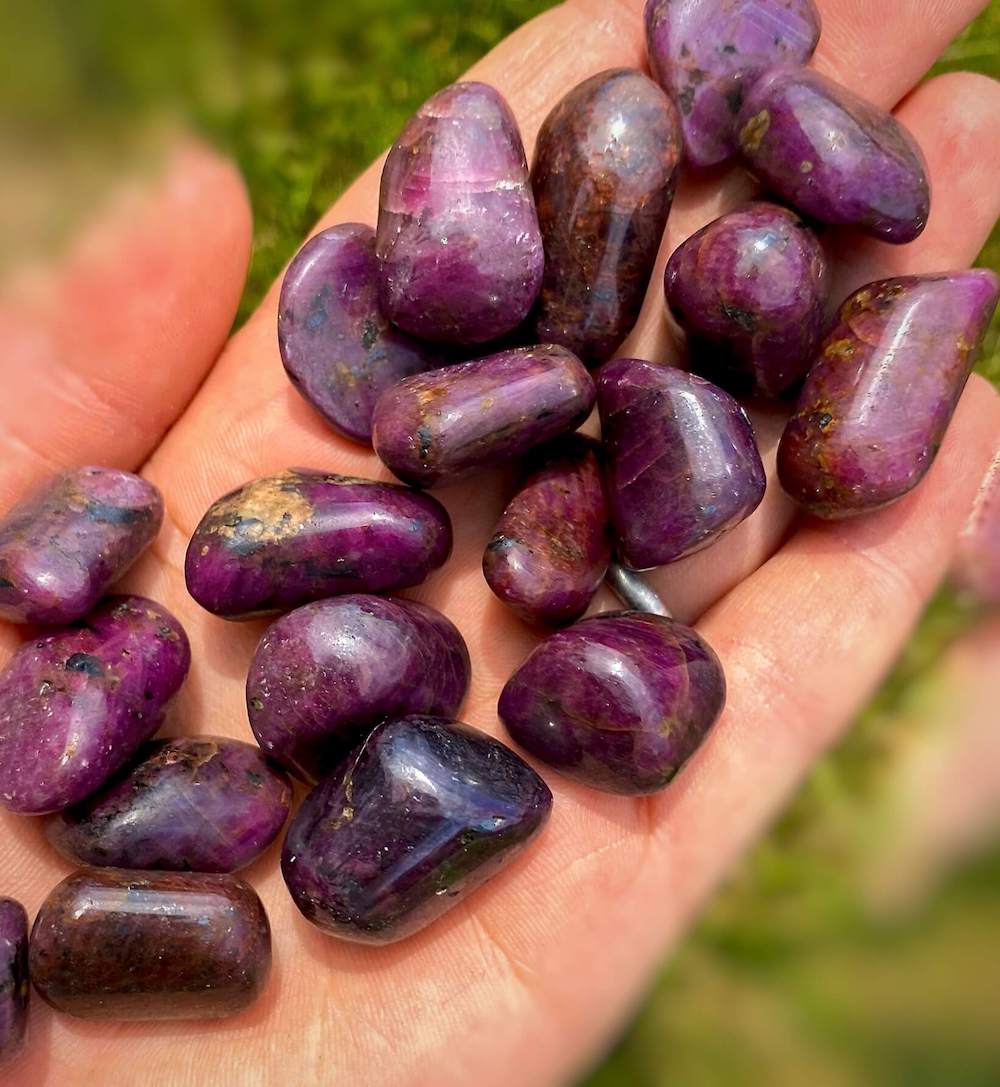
{"x": 110, "y": 943}
{"x": 324, "y": 674}
{"x": 418, "y": 817}
{"x": 876, "y": 404}
{"x": 750, "y": 290}
{"x": 444, "y": 425}
{"x": 552, "y": 544}
{"x": 834, "y": 156}
{"x": 619, "y": 701}
{"x": 682, "y": 461}
{"x": 708, "y": 53}
{"x": 283, "y": 540}
{"x": 337, "y": 345}
{"x": 65, "y": 544}
{"x": 13, "y": 980}
{"x": 458, "y": 241}
{"x": 191, "y": 804}
{"x": 604, "y": 178}
{"x": 75, "y": 704}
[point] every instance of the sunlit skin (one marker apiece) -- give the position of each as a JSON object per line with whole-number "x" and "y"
{"x": 526, "y": 981}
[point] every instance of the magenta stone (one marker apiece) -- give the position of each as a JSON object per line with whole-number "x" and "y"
{"x": 552, "y": 544}
{"x": 834, "y": 156}
{"x": 418, "y": 817}
{"x": 337, "y": 345}
{"x": 977, "y": 563}
{"x": 191, "y": 804}
{"x": 280, "y": 541}
{"x": 13, "y": 980}
{"x": 619, "y": 701}
{"x": 877, "y": 403}
{"x": 604, "y": 178}
{"x": 707, "y": 54}
{"x": 75, "y": 704}
{"x": 442, "y": 426}
{"x": 750, "y": 290}
{"x": 458, "y": 242}
{"x": 324, "y": 674}
{"x": 682, "y": 461}
{"x": 61, "y": 547}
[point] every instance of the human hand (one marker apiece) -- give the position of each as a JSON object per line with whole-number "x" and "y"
{"x": 524, "y": 981}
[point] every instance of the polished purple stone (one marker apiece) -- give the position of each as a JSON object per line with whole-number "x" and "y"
{"x": 976, "y": 570}
{"x": 877, "y": 402}
{"x": 604, "y": 176}
{"x": 834, "y": 156}
{"x": 750, "y": 290}
{"x": 682, "y": 461}
{"x": 13, "y": 979}
{"x": 65, "y": 544}
{"x": 418, "y": 817}
{"x": 191, "y": 804}
{"x": 279, "y": 541}
{"x": 337, "y": 345}
{"x": 444, "y": 425}
{"x": 552, "y": 544}
{"x": 75, "y": 704}
{"x": 619, "y": 701}
{"x": 707, "y": 54}
{"x": 324, "y": 674}
{"x": 458, "y": 241}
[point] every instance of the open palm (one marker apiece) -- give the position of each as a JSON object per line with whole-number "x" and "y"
{"x": 524, "y": 981}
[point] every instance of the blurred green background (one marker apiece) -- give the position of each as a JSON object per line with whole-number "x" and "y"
{"x": 824, "y": 958}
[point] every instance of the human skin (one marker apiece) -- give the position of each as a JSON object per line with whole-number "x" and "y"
{"x": 500, "y": 990}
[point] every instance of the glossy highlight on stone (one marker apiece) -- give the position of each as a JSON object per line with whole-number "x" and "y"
{"x": 190, "y": 804}
{"x": 707, "y": 54}
{"x": 442, "y": 426}
{"x": 63, "y": 545}
{"x": 337, "y": 346}
{"x": 604, "y": 177}
{"x": 423, "y": 813}
{"x": 75, "y": 704}
{"x": 552, "y": 544}
{"x": 877, "y": 402}
{"x": 110, "y": 943}
{"x": 834, "y": 156}
{"x": 682, "y": 461}
{"x": 458, "y": 242}
{"x": 619, "y": 701}
{"x": 13, "y": 980}
{"x": 750, "y": 290}
{"x": 326, "y": 673}
{"x": 280, "y": 541}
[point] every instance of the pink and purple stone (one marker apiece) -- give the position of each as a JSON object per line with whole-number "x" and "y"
{"x": 707, "y": 53}
{"x": 619, "y": 701}
{"x": 337, "y": 345}
{"x": 875, "y": 406}
{"x": 442, "y": 426}
{"x": 63, "y": 546}
{"x": 834, "y": 156}
{"x": 13, "y": 980}
{"x": 682, "y": 461}
{"x": 75, "y": 704}
{"x": 750, "y": 290}
{"x": 425, "y": 811}
{"x": 458, "y": 244}
{"x": 326, "y": 673}
{"x": 552, "y": 544}
{"x": 280, "y": 541}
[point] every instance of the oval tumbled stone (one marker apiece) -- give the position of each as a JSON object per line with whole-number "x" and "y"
{"x": 13, "y": 980}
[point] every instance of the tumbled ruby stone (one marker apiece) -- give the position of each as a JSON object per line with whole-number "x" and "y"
{"x": 13, "y": 979}
{"x": 327, "y": 672}
{"x": 420, "y": 815}
{"x": 682, "y": 461}
{"x": 458, "y": 243}
{"x": 618, "y": 701}
{"x": 877, "y": 402}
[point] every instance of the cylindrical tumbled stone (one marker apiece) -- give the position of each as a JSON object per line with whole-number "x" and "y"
{"x": 13, "y": 979}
